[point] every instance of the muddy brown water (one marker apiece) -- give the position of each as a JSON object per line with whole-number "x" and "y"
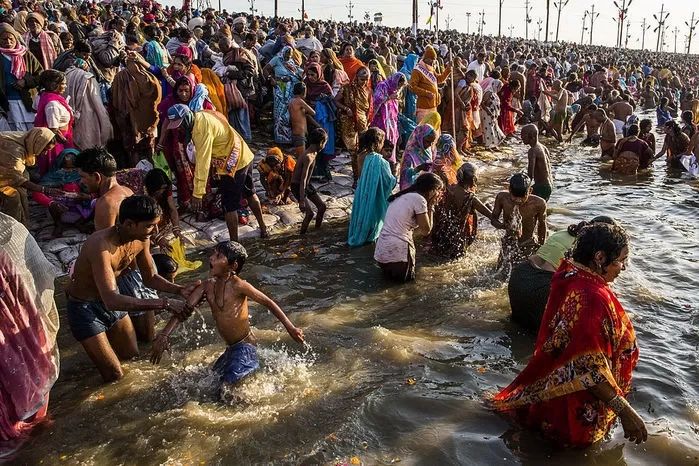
{"x": 397, "y": 374}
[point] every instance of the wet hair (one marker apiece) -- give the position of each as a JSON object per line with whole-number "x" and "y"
{"x": 234, "y": 252}
{"x": 165, "y": 264}
{"x": 139, "y": 209}
{"x": 495, "y": 74}
{"x": 467, "y": 175}
{"x": 155, "y": 179}
{"x": 519, "y": 184}
{"x": 424, "y": 184}
{"x": 51, "y": 79}
{"x": 574, "y": 230}
{"x": 82, "y": 46}
{"x": 633, "y": 130}
{"x": 317, "y": 136}
{"x": 96, "y": 160}
{"x": 609, "y": 239}
{"x": 372, "y": 139}
{"x": 299, "y": 88}
{"x": 646, "y": 123}
{"x": 664, "y": 101}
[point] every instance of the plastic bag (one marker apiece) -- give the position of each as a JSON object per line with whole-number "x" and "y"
{"x": 178, "y": 256}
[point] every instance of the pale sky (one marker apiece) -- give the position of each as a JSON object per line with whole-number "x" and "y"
{"x": 398, "y": 13}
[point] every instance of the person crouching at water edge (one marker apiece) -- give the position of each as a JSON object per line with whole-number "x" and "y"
{"x": 227, "y": 295}
{"x": 408, "y": 210}
{"x": 575, "y": 385}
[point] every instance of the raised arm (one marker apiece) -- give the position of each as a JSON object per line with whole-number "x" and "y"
{"x": 259, "y": 297}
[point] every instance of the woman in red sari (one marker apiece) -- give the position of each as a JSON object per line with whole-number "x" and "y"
{"x": 506, "y": 120}
{"x": 575, "y": 384}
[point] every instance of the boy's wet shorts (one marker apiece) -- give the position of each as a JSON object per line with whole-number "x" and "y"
{"x": 235, "y": 188}
{"x": 237, "y": 362}
{"x": 130, "y": 283}
{"x": 89, "y": 318}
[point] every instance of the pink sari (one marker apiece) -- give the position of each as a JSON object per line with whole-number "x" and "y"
{"x": 45, "y": 163}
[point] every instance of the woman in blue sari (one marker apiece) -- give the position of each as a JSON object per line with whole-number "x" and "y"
{"x": 287, "y": 72}
{"x": 410, "y": 98}
{"x": 373, "y": 189}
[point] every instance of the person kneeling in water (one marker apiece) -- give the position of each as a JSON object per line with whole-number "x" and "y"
{"x": 227, "y": 295}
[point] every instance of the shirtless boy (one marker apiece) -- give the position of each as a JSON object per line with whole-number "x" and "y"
{"x": 515, "y": 205}
{"x": 591, "y": 127}
{"x": 97, "y": 169}
{"x": 539, "y": 168}
{"x": 299, "y": 111}
{"x": 97, "y": 313}
{"x": 227, "y": 295}
{"x": 301, "y": 186}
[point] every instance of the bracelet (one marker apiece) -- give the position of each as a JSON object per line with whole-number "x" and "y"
{"x": 618, "y": 404}
{"x": 166, "y": 304}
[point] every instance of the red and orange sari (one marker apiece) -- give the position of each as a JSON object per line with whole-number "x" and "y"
{"x": 585, "y": 338}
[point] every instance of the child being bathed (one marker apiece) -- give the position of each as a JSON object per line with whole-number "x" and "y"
{"x": 228, "y": 294}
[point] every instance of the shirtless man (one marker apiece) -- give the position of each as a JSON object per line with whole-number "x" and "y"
{"x": 591, "y": 127}
{"x": 97, "y": 313}
{"x": 97, "y": 169}
{"x": 299, "y": 111}
{"x": 539, "y": 168}
{"x": 559, "y": 102}
{"x": 649, "y": 98}
{"x": 227, "y": 295}
{"x": 607, "y": 132}
{"x": 621, "y": 111}
{"x": 523, "y": 214}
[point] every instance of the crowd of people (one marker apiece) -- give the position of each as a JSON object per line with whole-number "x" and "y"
{"x": 119, "y": 117}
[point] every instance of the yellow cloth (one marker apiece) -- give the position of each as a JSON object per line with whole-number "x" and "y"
{"x": 178, "y": 255}
{"x": 555, "y": 247}
{"x": 215, "y": 141}
{"x": 19, "y": 150}
{"x": 217, "y": 94}
{"x": 433, "y": 119}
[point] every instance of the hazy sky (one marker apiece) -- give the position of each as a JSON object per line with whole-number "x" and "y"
{"x": 398, "y": 13}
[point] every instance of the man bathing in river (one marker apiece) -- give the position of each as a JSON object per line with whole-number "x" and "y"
{"x": 97, "y": 313}
{"x": 539, "y": 168}
{"x": 228, "y": 294}
{"x": 523, "y": 214}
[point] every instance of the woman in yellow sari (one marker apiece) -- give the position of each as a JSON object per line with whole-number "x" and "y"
{"x": 355, "y": 105}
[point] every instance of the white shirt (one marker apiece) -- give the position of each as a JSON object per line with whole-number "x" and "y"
{"x": 479, "y": 68}
{"x": 57, "y": 116}
{"x": 396, "y": 237}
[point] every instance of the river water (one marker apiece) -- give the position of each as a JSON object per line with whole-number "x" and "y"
{"x": 397, "y": 374}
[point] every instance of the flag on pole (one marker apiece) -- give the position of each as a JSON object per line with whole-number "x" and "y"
{"x": 429, "y": 20}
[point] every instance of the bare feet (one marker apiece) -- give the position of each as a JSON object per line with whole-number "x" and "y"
{"x": 263, "y": 232}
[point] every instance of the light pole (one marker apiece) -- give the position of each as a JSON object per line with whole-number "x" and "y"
{"x": 468, "y": 22}
{"x": 527, "y": 19}
{"x": 692, "y": 25}
{"x": 560, "y": 5}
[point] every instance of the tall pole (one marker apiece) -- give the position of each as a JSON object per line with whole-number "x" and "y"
{"x": 644, "y": 27}
{"x": 468, "y": 22}
{"x": 692, "y": 25}
{"x": 350, "y": 5}
{"x": 548, "y": 9}
{"x": 303, "y": 11}
{"x": 560, "y": 5}
{"x": 276, "y": 8}
{"x": 447, "y": 22}
{"x": 675, "y": 31}
{"x": 527, "y": 19}
{"x": 661, "y": 23}
{"x": 593, "y": 16}
{"x": 511, "y": 28}
{"x": 539, "y": 22}
{"x": 414, "y": 29}
{"x": 500, "y": 17}
{"x": 628, "y": 33}
{"x": 582, "y": 32}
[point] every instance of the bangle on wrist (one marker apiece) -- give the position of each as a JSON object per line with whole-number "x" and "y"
{"x": 618, "y": 404}
{"x": 166, "y": 304}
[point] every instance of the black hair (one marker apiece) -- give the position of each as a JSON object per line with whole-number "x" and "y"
{"x": 317, "y": 136}
{"x": 96, "y": 160}
{"x": 234, "y": 252}
{"x": 424, "y": 184}
{"x": 372, "y": 139}
{"x": 664, "y": 101}
{"x": 688, "y": 117}
{"x": 574, "y": 230}
{"x": 165, "y": 264}
{"x": 299, "y": 88}
{"x": 82, "y": 46}
{"x": 139, "y": 209}
{"x": 155, "y": 179}
{"x": 609, "y": 239}
{"x": 633, "y": 130}
{"x": 51, "y": 79}
{"x": 519, "y": 184}
{"x": 646, "y": 122}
